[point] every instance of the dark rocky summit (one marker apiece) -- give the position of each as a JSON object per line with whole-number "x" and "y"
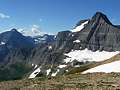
{"x": 100, "y": 34}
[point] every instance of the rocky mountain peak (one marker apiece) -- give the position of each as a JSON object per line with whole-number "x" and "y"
{"x": 14, "y": 30}
{"x": 99, "y": 16}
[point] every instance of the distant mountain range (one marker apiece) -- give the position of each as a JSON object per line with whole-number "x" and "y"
{"x": 91, "y": 41}
{"x": 15, "y": 48}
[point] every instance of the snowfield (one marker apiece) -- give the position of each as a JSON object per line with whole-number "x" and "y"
{"x": 107, "y": 68}
{"x": 88, "y": 55}
{"x": 79, "y": 28}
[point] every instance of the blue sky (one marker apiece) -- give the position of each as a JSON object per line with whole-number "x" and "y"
{"x": 53, "y": 15}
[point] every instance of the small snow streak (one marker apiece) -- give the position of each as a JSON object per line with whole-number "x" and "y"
{"x": 48, "y": 71}
{"x": 79, "y": 28}
{"x": 50, "y": 47}
{"x": 62, "y": 66}
{"x": 2, "y": 43}
{"x": 35, "y": 73}
{"x": 54, "y": 74}
{"x": 76, "y": 41}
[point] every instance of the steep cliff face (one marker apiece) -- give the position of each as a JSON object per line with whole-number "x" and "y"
{"x": 100, "y": 34}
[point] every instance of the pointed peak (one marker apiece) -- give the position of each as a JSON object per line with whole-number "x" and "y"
{"x": 14, "y": 30}
{"x": 98, "y": 15}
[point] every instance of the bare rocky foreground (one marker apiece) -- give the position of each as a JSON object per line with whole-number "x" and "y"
{"x": 96, "y": 81}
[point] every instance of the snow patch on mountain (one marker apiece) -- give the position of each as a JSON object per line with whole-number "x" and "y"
{"x": 35, "y": 73}
{"x": 2, "y": 43}
{"x": 72, "y": 35}
{"x": 77, "y": 66}
{"x": 50, "y": 47}
{"x": 76, "y": 41}
{"x": 54, "y": 74}
{"x": 35, "y": 66}
{"x": 66, "y": 70}
{"x": 62, "y": 66}
{"x": 80, "y": 27}
{"x": 32, "y": 64}
{"x": 107, "y": 68}
{"x": 88, "y": 55}
{"x": 48, "y": 71}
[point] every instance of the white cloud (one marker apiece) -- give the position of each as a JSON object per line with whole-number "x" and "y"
{"x": 33, "y": 30}
{"x": 3, "y": 16}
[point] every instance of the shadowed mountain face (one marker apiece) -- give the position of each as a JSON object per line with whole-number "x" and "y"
{"x": 12, "y": 41}
{"x": 97, "y": 33}
{"x": 14, "y": 50}
{"x": 100, "y": 34}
